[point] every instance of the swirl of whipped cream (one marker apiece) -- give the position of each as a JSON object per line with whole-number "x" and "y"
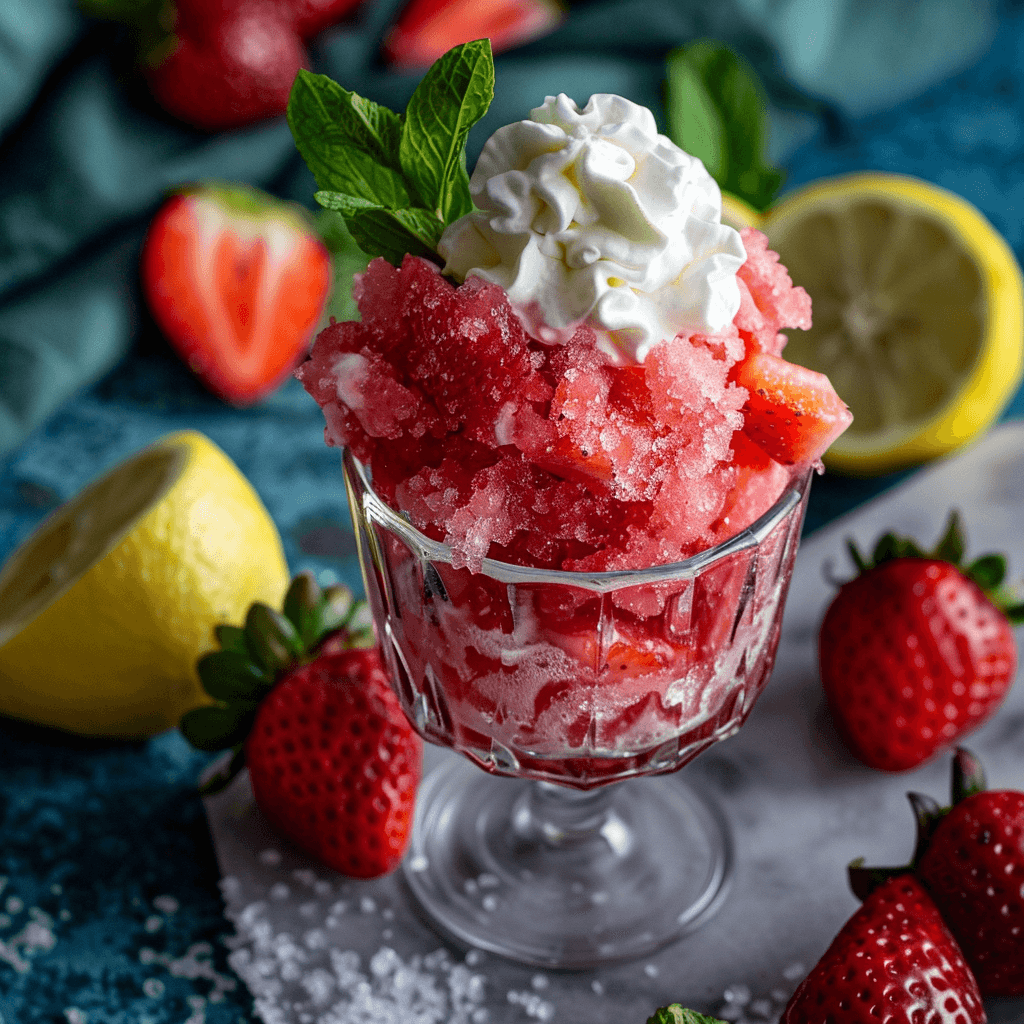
{"x": 592, "y": 216}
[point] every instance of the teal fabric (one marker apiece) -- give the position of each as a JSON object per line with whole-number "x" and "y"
{"x": 86, "y": 157}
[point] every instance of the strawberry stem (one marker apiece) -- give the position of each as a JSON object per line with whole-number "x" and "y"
{"x": 968, "y": 776}
{"x": 928, "y": 813}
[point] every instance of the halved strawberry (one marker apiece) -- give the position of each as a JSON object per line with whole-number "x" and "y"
{"x": 427, "y": 29}
{"x": 793, "y": 414}
{"x": 237, "y": 280}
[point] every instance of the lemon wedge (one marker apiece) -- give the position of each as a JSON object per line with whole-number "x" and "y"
{"x": 106, "y": 607}
{"x": 918, "y": 313}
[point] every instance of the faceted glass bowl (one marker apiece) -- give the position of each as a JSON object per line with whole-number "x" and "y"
{"x": 567, "y": 682}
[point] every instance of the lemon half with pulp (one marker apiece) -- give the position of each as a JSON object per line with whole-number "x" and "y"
{"x": 918, "y": 313}
{"x": 106, "y": 607}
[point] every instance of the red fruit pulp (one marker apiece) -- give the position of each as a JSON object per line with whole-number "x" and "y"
{"x": 238, "y": 294}
{"x": 427, "y": 29}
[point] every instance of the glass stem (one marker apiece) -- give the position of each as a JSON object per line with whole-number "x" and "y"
{"x": 562, "y": 817}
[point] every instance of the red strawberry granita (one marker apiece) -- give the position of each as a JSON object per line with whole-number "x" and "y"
{"x": 603, "y": 391}
{"x": 551, "y": 456}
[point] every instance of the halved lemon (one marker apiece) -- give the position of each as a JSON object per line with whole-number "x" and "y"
{"x": 918, "y": 313}
{"x": 106, "y": 607}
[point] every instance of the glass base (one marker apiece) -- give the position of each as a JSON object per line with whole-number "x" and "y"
{"x": 561, "y": 878}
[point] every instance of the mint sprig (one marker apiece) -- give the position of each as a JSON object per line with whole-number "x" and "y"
{"x": 397, "y": 179}
{"x": 716, "y": 110}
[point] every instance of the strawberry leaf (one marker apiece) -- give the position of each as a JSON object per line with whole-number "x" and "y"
{"x": 220, "y": 779}
{"x": 216, "y": 727}
{"x": 231, "y": 676}
{"x": 967, "y": 776}
{"x": 272, "y": 640}
{"x": 887, "y": 548}
{"x": 301, "y": 603}
{"x": 951, "y": 547}
{"x": 988, "y": 571}
{"x": 856, "y": 556}
{"x": 928, "y": 814}
{"x": 453, "y": 95}
{"x": 231, "y": 638}
{"x": 864, "y": 881}
{"x": 676, "y": 1014}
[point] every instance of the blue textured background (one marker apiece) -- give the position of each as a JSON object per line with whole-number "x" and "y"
{"x": 109, "y": 907}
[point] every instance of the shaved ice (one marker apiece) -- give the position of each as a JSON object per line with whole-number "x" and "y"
{"x": 550, "y": 456}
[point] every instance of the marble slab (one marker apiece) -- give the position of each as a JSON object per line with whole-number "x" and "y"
{"x": 317, "y": 949}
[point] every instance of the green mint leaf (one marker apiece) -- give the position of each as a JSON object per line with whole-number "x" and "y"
{"x": 694, "y": 122}
{"x": 393, "y": 233}
{"x": 346, "y": 205}
{"x": 716, "y": 109}
{"x": 349, "y": 143}
{"x": 453, "y": 95}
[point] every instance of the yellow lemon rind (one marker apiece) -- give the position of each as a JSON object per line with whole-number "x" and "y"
{"x": 999, "y": 366}
{"x": 113, "y": 654}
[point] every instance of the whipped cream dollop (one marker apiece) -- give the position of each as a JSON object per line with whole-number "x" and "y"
{"x": 592, "y": 216}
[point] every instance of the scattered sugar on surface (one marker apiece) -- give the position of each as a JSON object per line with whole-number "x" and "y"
{"x": 31, "y": 932}
{"x": 306, "y": 979}
{"x": 533, "y": 1004}
{"x": 740, "y": 1005}
{"x": 195, "y": 964}
{"x": 166, "y": 904}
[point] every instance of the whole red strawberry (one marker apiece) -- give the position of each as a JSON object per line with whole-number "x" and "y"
{"x": 220, "y": 64}
{"x": 229, "y": 72}
{"x": 237, "y": 281}
{"x": 893, "y": 962}
{"x": 917, "y": 650}
{"x": 970, "y": 858}
{"x": 333, "y": 762}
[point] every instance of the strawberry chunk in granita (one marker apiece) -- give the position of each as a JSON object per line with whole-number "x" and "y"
{"x": 565, "y": 455}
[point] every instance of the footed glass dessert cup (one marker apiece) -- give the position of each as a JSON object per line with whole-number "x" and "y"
{"x": 573, "y": 686}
